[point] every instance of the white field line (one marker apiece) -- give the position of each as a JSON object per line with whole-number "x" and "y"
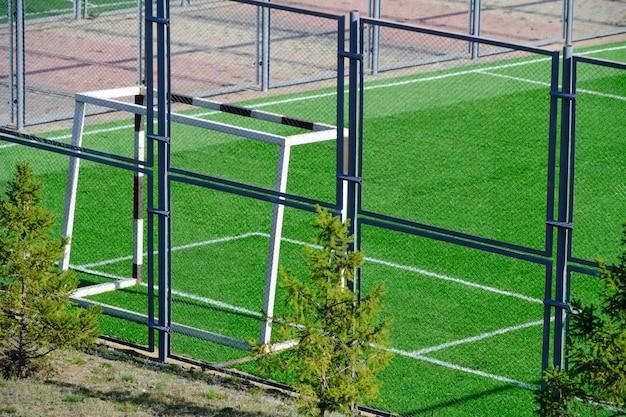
{"x": 417, "y": 354}
{"x": 212, "y": 302}
{"x": 368, "y": 259}
{"x": 369, "y": 87}
{"x": 456, "y": 280}
{"x": 529, "y": 81}
{"x": 476, "y": 338}
{"x": 120, "y": 279}
{"x": 463, "y": 369}
{"x": 188, "y": 246}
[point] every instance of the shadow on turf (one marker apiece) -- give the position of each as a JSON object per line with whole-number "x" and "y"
{"x": 430, "y": 410}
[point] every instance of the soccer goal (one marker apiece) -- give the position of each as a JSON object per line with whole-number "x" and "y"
{"x": 117, "y": 99}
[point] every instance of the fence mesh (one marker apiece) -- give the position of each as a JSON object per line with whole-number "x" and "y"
{"x": 456, "y": 145}
{"x": 465, "y": 335}
{"x": 600, "y": 190}
{"x": 214, "y": 47}
{"x": 427, "y": 125}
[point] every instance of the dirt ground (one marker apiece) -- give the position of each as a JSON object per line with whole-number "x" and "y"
{"x": 110, "y": 383}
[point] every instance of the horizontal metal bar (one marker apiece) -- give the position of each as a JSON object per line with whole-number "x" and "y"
{"x": 557, "y": 304}
{"x": 164, "y": 139}
{"x": 451, "y": 236}
{"x": 352, "y": 55}
{"x": 564, "y": 96}
{"x": 160, "y": 20}
{"x": 82, "y": 153}
{"x": 158, "y": 212}
{"x": 564, "y": 225}
{"x": 159, "y": 327}
{"x": 293, "y": 9}
{"x": 601, "y": 62}
{"x": 350, "y": 178}
{"x": 468, "y": 38}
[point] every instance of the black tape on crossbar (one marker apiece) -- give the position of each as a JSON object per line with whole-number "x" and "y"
{"x": 241, "y": 111}
{"x": 179, "y": 98}
{"x": 303, "y": 124}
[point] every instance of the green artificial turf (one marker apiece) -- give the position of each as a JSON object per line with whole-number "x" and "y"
{"x": 463, "y": 149}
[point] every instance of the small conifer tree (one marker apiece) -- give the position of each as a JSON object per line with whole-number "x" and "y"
{"x": 340, "y": 339}
{"x": 35, "y": 313}
{"x": 597, "y": 351}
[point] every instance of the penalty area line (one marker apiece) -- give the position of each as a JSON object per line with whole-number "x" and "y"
{"x": 368, "y": 259}
{"x": 465, "y": 369}
{"x": 121, "y": 282}
{"x": 176, "y": 248}
{"x": 477, "y": 338}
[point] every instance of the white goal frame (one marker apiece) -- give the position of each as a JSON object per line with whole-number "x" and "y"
{"x": 111, "y": 99}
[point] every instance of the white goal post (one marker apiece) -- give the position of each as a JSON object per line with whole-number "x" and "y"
{"x": 111, "y": 99}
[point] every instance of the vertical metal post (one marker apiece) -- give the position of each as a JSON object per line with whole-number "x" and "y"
{"x": 160, "y": 139}
{"x": 11, "y": 30}
{"x": 20, "y": 64}
{"x": 568, "y": 22}
{"x": 139, "y": 42}
{"x": 375, "y": 45}
{"x": 354, "y": 130}
{"x": 474, "y": 25}
{"x": 564, "y": 18}
{"x": 257, "y": 47}
{"x": 342, "y": 139}
{"x": 565, "y": 209}
{"x": 77, "y": 9}
{"x": 265, "y": 48}
{"x": 550, "y": 204}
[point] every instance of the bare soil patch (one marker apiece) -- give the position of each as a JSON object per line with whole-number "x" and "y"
{"x": 108, "y": 383}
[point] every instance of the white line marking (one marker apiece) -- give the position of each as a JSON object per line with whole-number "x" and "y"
{"x": 373, "y": 260}
{"x": 179, "y": 293}
{"x": 613, "y": 48}
{"x": 457, "y": 280}
{"x": 85, "y": 269}
{"x": 476, "y": 338}
{"x": 528, "y": 81}
{"x": 464, "y": 369}
{"x": 188, "y": 246}
{"x": 212, "y": 301}
{"x": 370, "y": 87}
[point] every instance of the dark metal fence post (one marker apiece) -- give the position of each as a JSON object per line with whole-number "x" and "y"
{"x": 474, "y": 25}
{"x": 354, "y": 131}
{"x": 265, "y": 48}
{"x": 20, "y": 45}
{"x": 374, "y": 36}
{"x": 11, "y": 44}
{"x": 77, "y": 9}
{"x": 565, "y": 198}
{"x": 160, "y": 138}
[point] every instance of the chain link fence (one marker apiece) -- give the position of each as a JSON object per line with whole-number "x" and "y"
{"x": 458, "y": 159}
{"x": 454, "y": 154}
{"x": 220, "y": 46}
{"x": 599, "y": 188}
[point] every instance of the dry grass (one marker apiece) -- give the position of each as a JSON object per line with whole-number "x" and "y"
{"x": 107, "y": 383}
